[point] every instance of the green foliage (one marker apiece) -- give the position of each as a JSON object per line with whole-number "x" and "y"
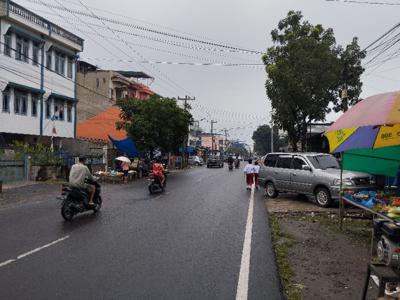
{"x": 41, "y": 155}
{"x": 307, "y": 71}
{"x": 238, "y": 149}
{"x": 157, "y": 122}
{"x": 262, "y": 140}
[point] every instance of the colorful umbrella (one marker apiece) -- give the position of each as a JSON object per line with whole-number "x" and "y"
{"x": 123, "y": 159}
{"x": 370, "y": 124}
{"x": 368, "y": 135}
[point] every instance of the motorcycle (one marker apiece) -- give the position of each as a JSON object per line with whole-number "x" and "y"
{"x": 155, "y": 185}
{"x": 237, "y": 164}
{"x": 230, "y": 166}
{"x": 75, "y": 200}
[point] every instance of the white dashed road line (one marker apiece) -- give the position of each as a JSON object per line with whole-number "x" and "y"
{"x": 243, "y": 283}
{"x": 33, "y": 251}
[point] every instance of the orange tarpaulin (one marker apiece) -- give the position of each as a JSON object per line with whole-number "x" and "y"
{"x": 99, "y": 127}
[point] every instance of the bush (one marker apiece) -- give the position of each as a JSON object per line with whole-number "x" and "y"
{"x": 41, "y": 155}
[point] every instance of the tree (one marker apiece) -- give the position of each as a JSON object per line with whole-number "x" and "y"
{"x": 307, "y": 72}
{"x": 156, "y": 122}
{"x": 262, "y": 140}
{"x": 238, "y": 149}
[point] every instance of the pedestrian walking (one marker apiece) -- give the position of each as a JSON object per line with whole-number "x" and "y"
{"x": 249, "y": 174}
{"x": 256, "y": 170}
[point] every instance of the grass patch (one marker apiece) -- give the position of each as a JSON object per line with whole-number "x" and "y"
{"x": 282, "y": 242}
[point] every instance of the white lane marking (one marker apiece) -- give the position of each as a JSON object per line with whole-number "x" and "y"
{"x": 243, "y": 283}
{"x": 6, "y": 262}
{"x": 33, "y": 251}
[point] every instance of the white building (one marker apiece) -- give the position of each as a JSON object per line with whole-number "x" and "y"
{"x": 37, "y": 74}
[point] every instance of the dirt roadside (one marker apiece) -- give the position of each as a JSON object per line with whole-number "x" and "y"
{"x": 315, "y": 259}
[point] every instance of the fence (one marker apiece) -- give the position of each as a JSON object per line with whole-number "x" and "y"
{"x": 12, "y": 170}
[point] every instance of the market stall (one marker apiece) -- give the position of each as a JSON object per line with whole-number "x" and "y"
{"x": 367, "y": 137}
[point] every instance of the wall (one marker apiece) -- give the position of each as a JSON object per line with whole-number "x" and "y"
{"x": 93, "y": 99}
{"x": 11, "y": 171}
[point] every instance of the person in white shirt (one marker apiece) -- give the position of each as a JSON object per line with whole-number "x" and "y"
{"x": 256, "y": 170}
{"x": 249, "y": 174}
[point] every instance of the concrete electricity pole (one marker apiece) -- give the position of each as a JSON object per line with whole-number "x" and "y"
{"x": 186, "y": 107}
{"x": 212, "y": 136}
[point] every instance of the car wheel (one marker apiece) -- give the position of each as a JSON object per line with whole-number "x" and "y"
{"x": 196, "y": 164}
{"x": 323, "y": 197}
{"x": 271, "y": 190}
{"x": 208, "y": 166}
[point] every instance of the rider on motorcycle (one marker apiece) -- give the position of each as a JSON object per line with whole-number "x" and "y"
{"x": 158, "y": 170}
{"x": 230, "y": 160}
{"x": 77, "y": 176}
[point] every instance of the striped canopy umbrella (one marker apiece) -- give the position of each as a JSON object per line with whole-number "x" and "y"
{"x": 372, "y": 123}
{"x": 368, "y": 135}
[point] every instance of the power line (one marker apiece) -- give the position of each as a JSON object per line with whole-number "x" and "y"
{"x": 134, "y": 50}
{"x": 99, "y": 44}
{"x": 198, "y": 64}
{"x": 146, "y": 29}
{"x": 366, "y": 2}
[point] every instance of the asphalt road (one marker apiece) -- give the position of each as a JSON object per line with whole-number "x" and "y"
{"x": 187, "y": 243}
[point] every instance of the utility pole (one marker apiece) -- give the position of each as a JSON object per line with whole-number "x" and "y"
{"x": 272, "y": 134}
{"x": 226, "y": 138}
{"x": 186, "y": 107}
{"x": 212, "y": 136}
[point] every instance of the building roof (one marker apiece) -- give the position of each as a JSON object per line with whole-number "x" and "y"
{"x": 99, "y": 127}
{"x": 135, "y": 74}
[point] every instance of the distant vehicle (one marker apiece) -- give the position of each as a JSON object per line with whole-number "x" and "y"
{"x": 315, "y": 174}
{"x": 195, "y": 161}
{"x": 215, "y": 161}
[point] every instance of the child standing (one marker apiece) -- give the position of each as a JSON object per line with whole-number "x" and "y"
{"x": 256, "y": 170}
{"x": 248, "y": 172}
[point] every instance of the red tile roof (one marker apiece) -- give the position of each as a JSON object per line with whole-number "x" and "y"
{"x": 99, "y": 127}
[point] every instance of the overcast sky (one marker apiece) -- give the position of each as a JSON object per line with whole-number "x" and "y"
{"x": 233, "y": 96}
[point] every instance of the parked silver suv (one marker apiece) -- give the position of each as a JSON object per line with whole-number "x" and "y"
{"x": 315, "y": 174}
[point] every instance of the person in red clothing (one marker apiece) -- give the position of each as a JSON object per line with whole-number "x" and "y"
{"x": 249, "y": 173}
{"x": 158, "y": 170}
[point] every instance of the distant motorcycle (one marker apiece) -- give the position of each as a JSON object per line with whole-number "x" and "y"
{"x": 155, "y": 185}
{"x": 75, "y": 200}
{"x": 237, "y": 164}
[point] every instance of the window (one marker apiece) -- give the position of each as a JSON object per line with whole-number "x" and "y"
{"x": 35, "y": 54}
{"x": 69, "y": 68}
{"x": 25, "y": 50}
{"x": 284, "y": 162}
{"x": 298, "y": 163}
{"x": 7, "y": 44}
{"x": 18, "y": 49}
{"x": 59, "y": 111}
{"x": 34, "y": 106}
{"x": 57, "y": 63}
{"x": 20, "y": 104}
{"x": 69, "y": 113}
{"x": 62, "y": 64}
{"x": 48, "y": 109}
{"x": 324, "y": 162}
{"x": 270, "y": 160}
{"x": 49, "y": 60}
{"x": 6, "y": 102}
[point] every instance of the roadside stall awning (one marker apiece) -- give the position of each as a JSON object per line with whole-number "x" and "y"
{"x": 126, "y": 146}
{"x": 381, "y": 161}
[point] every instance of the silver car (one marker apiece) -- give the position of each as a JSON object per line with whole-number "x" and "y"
{"x": 316, "y": 174}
